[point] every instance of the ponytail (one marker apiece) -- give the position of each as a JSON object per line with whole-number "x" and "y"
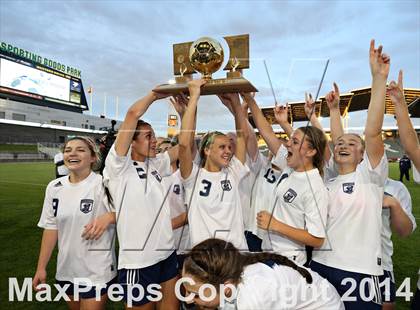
{"x": 216, "y": 261}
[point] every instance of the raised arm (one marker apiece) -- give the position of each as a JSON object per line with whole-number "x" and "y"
{"x": 188, "y": 129}
{"x": 333, "y": 103}
{"x": 240, "y": 124}
{"x": 251, "y": 140}
{"x": 281, "y": 113}
{"x": 379, "y": 67}
{"x": 408, "y": 135}
{"x": 310, "y": 113}
{"x": 262, "y": 124}
{"x": 179, "y": 102}
{"x": 128, "y": 127}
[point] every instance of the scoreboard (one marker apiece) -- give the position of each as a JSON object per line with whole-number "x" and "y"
{"x": 32, "y": 82}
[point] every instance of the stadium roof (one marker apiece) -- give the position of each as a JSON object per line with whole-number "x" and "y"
{"x": 356, "y": 100}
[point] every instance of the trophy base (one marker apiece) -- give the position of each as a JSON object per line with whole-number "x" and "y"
{"x": 212, "y": 87}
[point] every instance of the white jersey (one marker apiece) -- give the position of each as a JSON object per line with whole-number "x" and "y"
{"x": 140, "y": 198}
{"x": 59, "y": 162}
{"x": 68, "y": 207}
{"x": 397, "y": 190}
{"x": 245, "y": 190}
{"x": 301, "y": 201}
{"x": 330, "y": 169}
{"x": 354, "y": 220}
{"x": 262, "y": 192}
{"x": 178, "y": 206}
{"x": 281, "y": 287}
{"x": 214, "y": 207}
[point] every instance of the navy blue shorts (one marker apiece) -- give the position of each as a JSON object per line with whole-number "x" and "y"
{"x": 254, "y": 243}
{"x": 415, "y": 305}
{"x": 367, "y": 297}
{"x": 180, "y": 258}
{"x": 387, "y": 290}
{"x": 70, "y": 291}
{"x": 155, "y": 274}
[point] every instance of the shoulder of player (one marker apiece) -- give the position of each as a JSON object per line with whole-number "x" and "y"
{"x": 57, "y": 183}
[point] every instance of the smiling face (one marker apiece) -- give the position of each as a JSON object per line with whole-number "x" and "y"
{"x": 348, "y": 150}
{"x": 219, "y": 152}
{"x": 299, "y": 157}
{"x": 78, "y": 156}
{"x": 144, "y": 144}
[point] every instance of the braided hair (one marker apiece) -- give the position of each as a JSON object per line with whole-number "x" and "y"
{"x": 216, "y": 261}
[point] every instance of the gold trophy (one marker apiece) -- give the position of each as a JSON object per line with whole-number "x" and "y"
{"x": 206, "y": 56}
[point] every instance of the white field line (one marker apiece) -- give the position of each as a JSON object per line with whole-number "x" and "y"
{"x": 24, "y": 183}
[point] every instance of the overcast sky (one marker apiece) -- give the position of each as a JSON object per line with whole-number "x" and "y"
{"x": 124, "y": 48}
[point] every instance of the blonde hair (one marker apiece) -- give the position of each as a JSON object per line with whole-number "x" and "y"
{"x": 206, "y": 142}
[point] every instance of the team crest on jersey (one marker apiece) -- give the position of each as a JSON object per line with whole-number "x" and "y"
{"x": 177, "y": 189}
{"x": 157, "y": 175}
{"x": 226, "y": 186}
{"x": 348, "y": 187}
{"x": 290, "y": 195}
{"x": 86, "y": 205}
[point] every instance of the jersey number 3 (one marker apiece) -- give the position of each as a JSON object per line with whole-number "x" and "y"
{"x": 206, "y": 190}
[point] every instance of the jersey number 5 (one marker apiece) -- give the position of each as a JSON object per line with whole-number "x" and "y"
{"x": 206, "y": 190}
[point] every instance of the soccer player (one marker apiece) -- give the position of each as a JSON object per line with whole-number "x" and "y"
{"x": 213, "y": 198}
{"x": 253, "y": 280}
{"x": 133, "y": 173}
{"x": 72, "y": 204}
{"x": 263, "y": 191}
{"x": 351, "y": 257}
{"x": 246, "y": 184}
{"x": 299, "y": 207}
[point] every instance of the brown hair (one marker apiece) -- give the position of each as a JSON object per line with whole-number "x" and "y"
{"x": 138, "y": 130}
{"x": 94, "y": 151}
{"x": 206, "y": 142}
{"x": 216, "y": 261}
{"x": 318, "y": 141}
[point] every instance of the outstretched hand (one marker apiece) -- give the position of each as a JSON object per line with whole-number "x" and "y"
{"x": 179, "y": 103}
{"x": 281, "y": 113}
{"x": 309, "y": 106}
{"x": 396, "y": 91}
{"x": 333, "y": 98}
{"x": 230, "y": 100}
{"x": 379, "y": 62}
{"x": 247, "y": 97}
{"x": 194, "y": 87}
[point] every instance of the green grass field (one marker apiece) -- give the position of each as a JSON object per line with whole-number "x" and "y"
{"x": 25, "y": 148}
{"x": 22, "y": 188}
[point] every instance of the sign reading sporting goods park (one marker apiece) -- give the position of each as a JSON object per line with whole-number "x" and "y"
{"x": 26, "y": 75}
{"x": 39, "y": 59}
